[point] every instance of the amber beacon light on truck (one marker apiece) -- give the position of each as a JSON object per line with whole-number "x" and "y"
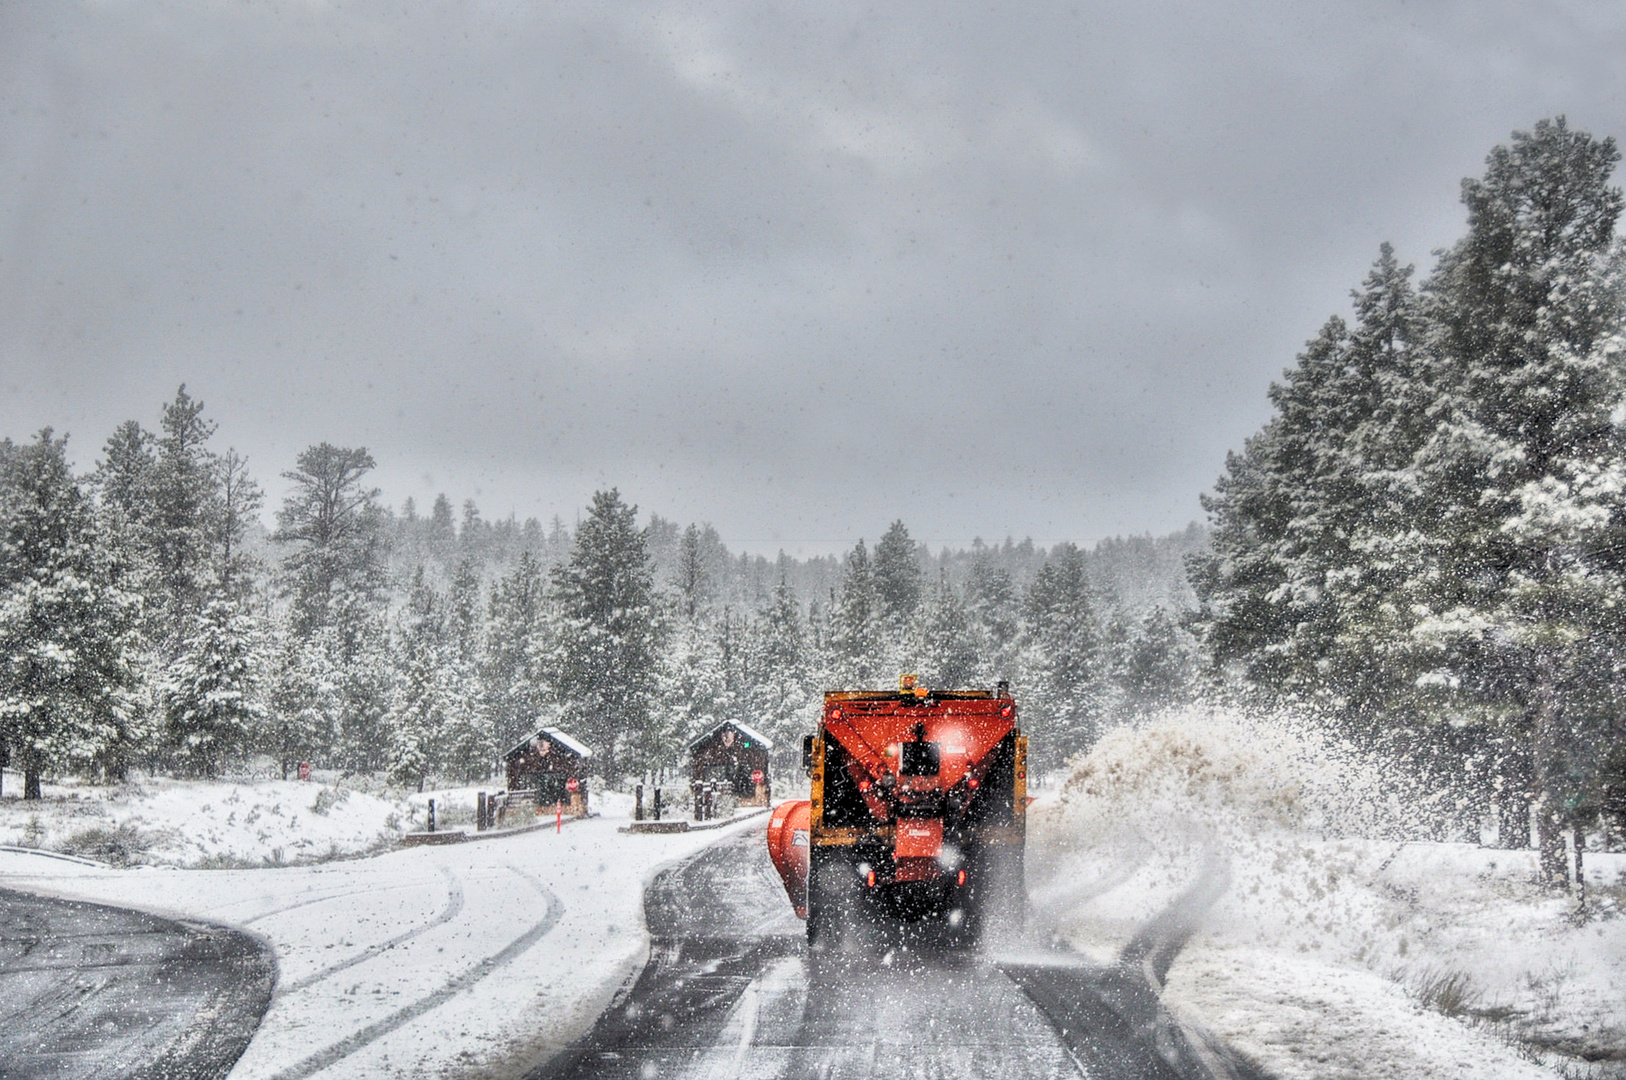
{"x": 917, "y": 815}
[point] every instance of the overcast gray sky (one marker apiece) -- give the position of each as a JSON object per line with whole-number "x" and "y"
{"x": 796, "y": 270}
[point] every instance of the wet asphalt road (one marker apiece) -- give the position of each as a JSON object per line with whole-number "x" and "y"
{"x": 730, "y": 992}
{"x": 101, "y": 992}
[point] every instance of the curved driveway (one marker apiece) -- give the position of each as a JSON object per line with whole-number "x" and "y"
{"x": 473, "y": 959}
{"x": 94, "y": 991}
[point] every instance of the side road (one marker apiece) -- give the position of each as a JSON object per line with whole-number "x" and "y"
{"x": 470, "y": 959}
{"x": 89, "y": 990}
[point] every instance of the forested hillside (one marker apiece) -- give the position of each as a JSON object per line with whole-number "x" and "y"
{"x": 1428, "y": 540}
{"x": 154, "y": 621}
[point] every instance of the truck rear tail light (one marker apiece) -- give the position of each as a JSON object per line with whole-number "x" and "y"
{"x": 1006, "y": 710}
{"x": 972, "y": 783}
{"x": 863, "y": 785}
{"x": 959, "y": 879}
{"x": 869, "y": 879}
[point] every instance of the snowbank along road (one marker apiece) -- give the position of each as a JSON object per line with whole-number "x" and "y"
{"x": 730, "y": 992}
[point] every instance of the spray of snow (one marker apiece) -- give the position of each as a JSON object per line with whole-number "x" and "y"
{"x": 1283, "y": 803}
{"x": 1341, "y": 942}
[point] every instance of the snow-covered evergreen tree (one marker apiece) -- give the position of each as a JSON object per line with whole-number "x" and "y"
{"x": 1528, "y": 567}
{"x": 1059, "y": 701}
{"x": 331, "y": 527}
{"x": 1432, "y": 528}
{"x": 418, "y": 719}
{"x": 67, "y": 626}
{"x": 953, "y": 657}
{"x": 783, "y": 700}
{"x": 306, "y": 700}
{"x": 897, "y": 577}
{"x": 186, "y": 510}
{"x": 993, "y": 604}
{"x": 1153, "y": 664}
{"x": 855, "y": 619}
{"x": 604, "y": 668}
{"x": 211, "y": 696}
{"x": 240, "y": 501}
{"x": 514, "y": 691}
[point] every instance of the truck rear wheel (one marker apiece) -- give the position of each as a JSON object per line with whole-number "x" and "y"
{"x": 829, "y": 899}
{"x": 1002, "y": 899}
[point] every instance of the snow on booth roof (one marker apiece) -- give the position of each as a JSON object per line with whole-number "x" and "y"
{"x": 744, "y": 729}
{"x": 557, "y": 736}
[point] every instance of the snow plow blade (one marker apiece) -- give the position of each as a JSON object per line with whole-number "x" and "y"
{"x": 787, "y": 846}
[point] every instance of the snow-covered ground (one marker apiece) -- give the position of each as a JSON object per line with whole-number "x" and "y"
{"x": 470, "y": 959}
{"x": 194, "y": 823}
{"x": 1329, "y": 953}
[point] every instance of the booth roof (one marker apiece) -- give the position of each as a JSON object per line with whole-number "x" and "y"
{"x": 557, "y": 736}
{"x": 744, "y": 729}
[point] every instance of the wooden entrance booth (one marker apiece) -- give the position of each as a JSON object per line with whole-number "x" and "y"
{"x": 550, "y": 767}
{"x": 734, "y": 755}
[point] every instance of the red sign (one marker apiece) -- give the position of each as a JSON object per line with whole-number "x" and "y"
{"x": 756, "y": 776}
{"x": 304, "y": 770}
{"x": 572, "y": 786}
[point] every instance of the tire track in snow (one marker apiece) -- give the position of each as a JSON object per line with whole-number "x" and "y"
{"x": 321, "y": 900}
{"x": 456, "y": 985}
{"x": 454, "y": 905}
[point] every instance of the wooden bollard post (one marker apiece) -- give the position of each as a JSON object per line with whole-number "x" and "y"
{"x": 1579, "y": 835}
{"x": 638, "y": 803}
{"x": 431, "y": 815}
{"x": 657, "y": 804}
{"x": 480, "y": 812}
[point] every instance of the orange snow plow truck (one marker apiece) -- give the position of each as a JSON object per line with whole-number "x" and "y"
{"x": 917, "y": 816}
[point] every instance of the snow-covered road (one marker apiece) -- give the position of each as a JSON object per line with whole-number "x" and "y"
{"x": 478, "y": 958}
{"x": 731, "y": 992}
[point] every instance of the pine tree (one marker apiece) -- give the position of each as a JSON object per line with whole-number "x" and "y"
{"x": 417, "y": 721}
{"x": 1060, "y": 642}
{"x": 854, "y": 630}
{"x": 694, "y": 686}
{"x": 470, "y": 743}
{"x": 992, "y": 601}
{"x": 609, "y": 631}
{"x": 306, "y": 703}
{"x": 211, "y": 696}
{"x": 331, "y": 525}
{"x": 1156, "y": 665}
{"x": 186, "y": 506}
{"x": 952, "y": 655}
{"x": 897, "y": 577}
{"x": 1528, "y": 567}
{"x": 1300, "y": 512}
{"x": 442, "y": 529}
{"x": 67, "y": 626}
{"x": 240, "y": 500}
{"x": 700, "y": 553}
{"x": 513, "y": 683}
{"x": 781, "y": 697}
{"x": 474, "y": 537}
{"x": 1431, "y": 528}
{"x": 362, "y": 662}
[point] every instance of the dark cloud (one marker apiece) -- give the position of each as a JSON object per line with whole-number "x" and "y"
{"x": 796, "y": 271}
